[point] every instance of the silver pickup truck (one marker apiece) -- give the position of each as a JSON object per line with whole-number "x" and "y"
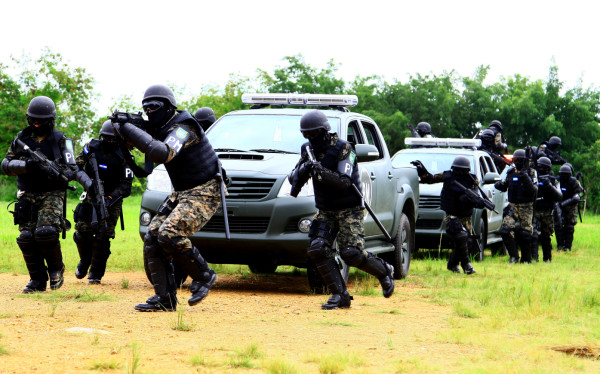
{"x": 258, "y": 147}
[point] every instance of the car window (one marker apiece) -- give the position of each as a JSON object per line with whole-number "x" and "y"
{"x": 433, "y": 162}
{"x": 490, "y": 163}
{"x": 354, "y": 135}
{"x": 252, "y": 131}
{"x": 483, "y": 166}
{"x": 372, "y": 137}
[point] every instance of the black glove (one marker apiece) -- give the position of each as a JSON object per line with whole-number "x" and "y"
{"x": 69, "y": 174}
{"x": 421, "y": 170}
{"x": 31, "y": 164}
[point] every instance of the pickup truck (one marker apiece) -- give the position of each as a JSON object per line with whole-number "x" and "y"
{"x": 258, "y": 147}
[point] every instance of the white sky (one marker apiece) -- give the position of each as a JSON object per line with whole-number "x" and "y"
{"x": 129, "y": 45}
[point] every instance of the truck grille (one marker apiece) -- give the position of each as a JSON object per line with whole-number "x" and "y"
{"x": 238, "y": 225}
{"x": 429, "y": 202}
{"x": 429, "y": 224}
{"x": 249, "y": 188}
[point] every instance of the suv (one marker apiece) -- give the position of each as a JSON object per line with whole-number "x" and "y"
{"x": 258, "y": 148}
{"x": 437, "y": 154}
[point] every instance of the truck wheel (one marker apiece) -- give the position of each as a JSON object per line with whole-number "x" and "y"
{"x": 477, "y": 251}
{"x": 266, "y": 267}
{"x": 315, "y": 281}
{"x": 405, "y": 244}
{"x": 180, "y": 275}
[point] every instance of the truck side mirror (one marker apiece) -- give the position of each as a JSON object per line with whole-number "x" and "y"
{"x": 490, "y": 178}
{"x": 367, "y": 152}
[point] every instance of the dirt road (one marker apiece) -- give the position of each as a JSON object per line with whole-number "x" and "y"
{"x": 246, "y": 324}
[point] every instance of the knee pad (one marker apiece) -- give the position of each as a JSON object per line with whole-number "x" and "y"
{"x": 317, "y": 249}
{"x": 46, "y": 235}
{"x": 151, "y": 247}
{"x": 505, "y": 230}
{"x": 352, "y": 256}
{"x": 322, "y": 229}
{"x": 524, "y": 235}
{"x": 80, "y": 238}
{"x": 170, "y": 245}
{"x": 25, "y": 238}
{"x": 569, "y": 229}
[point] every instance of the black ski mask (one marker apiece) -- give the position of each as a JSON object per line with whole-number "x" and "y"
{"x": 109, "y": 144}
{"x": 40, "y": 126}
{"x": 319, "y": 140}
{"x": 158, "y": 113}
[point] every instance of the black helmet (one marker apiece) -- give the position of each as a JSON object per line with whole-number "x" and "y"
{"x": 519, "y": 154}
{"x": 205, "y": 114}
{"x": 487, "y": 135}
{"x": 554, "y": 141}
{"x": 159, "y": 91}
{"x": 314, "y": 120}
{"x": 424, "y": 127}
{"x": 41, "y": 107}
{"x": 461, "y": 162}
{"x": 496, "y": 123}
{"x": 565, "y": 170}
{"x": 544, "y": 162}
{"x": 107, "y": 129}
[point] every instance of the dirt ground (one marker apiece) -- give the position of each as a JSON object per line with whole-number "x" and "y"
{"x": 274, "y": 315}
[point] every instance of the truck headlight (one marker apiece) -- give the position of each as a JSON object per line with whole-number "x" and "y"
{"x": 286, "y": 188}
{"x": 145, "y": 218}
{"x": 159, "y": 181}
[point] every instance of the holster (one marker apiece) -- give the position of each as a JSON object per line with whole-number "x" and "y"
{"x": 83, "y": 212}
{"x": 23, "y": 212}
{"x": 166, "y": 207}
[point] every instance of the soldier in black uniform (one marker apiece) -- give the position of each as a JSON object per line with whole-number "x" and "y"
{"x": 458, "y": 208}
{"x": 92, "y": 235}
{"x": 340, "y": 214}
{"x": 175, "y": 138}
{"x": 41, "y": 196}
{"x": 205, "y": 117}
{"x": 517, "y": 224}
{"x": 571, "y": 188}
{"x": 550, "y": 149}
{"x": 543, "y": 220}
{"x": 489, "y": 144}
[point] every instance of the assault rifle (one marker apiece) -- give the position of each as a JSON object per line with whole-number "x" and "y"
{"x": 498, "y": 157}
{"x": 221, "y": 181}
{"x": 99, "y": 211}
{"x": 51, "y": 168}
{"x": 475, "y": 197}
{"x": 316, "y": 170}
{"x": 581, "y": 202}
{"x": 138, "y": 121}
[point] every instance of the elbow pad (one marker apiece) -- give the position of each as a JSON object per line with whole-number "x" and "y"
{"x": 157, "y": 152}
{"x": 83, "y": 179}
{"x": 136, "y": 136}
{"x": 335, "y": 180}
{"x": 14, "y": 167}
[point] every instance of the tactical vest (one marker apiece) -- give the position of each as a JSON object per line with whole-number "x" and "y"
{"x": 545, "y": 199}
{"x": 568, "y": 188}
{"x": 37, "y": 180}
{"x": 327, "y": 198}
{"x": 517, "y": 192}
{"x": 450, "y": 196}
{"x": 196, "y": 164}
{"x": 111, "y": 167}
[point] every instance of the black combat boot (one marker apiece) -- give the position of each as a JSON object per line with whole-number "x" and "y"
{"x": 524, "y": 241}
{"x": 330, "y": 272}
{"x": 203, "y": 277}
{"x": 382, "y": 270}
{"x": 163, "y": 280}
{"x": 84, "y": 247}
{"x": 534, "y": 248}
{"x": 511, "y": 247}
{"x": 34, "y": 260}
{"x": 546, "y": 247}
{"x": 100, "y": 254}
{"x": 568, "y": 237}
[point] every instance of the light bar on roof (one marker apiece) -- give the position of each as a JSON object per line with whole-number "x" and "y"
{"x": 300, "y": 99}
{"x": 443, "y": 142}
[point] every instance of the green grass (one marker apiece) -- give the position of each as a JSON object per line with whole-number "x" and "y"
{"x": 243, "y": 357}
{"x": 104, "y": 366}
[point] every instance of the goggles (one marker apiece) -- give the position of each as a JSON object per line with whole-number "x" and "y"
{"x": 309, "y": 134}
{"x": 152, "y": 106}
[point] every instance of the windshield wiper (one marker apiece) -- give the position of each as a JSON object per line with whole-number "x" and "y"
{"x": 267, "y": 150}
{"x": 229, "y": 150}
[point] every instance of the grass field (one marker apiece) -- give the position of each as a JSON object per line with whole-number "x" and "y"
{"x": 507, "y": 311}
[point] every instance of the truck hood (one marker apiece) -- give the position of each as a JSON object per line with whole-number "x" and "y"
{"x": 266, "y": 163}
{"x": 430, "y": 189}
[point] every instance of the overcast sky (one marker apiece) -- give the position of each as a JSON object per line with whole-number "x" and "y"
{"x": 129, "y": 45}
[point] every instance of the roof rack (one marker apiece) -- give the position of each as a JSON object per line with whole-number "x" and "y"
{"x": 262, "y": 100}
{"x": 443, "y": 142}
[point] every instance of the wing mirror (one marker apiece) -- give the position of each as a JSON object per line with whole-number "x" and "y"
{"x": 367, "y": 152}
{"x": 490, "y": 177}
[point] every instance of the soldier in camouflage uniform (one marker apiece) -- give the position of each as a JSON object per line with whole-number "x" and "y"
{"x": 41, "y": 195}
{"x": 517, "y": 224}
{"x": 176, "y": 139}
{"x": 340, "y": 215}
{"x": 92, "y": 235}
{"x": 458, "y": 208}
{"x": 543, "y": 220}
{"x": 571, "y": 188}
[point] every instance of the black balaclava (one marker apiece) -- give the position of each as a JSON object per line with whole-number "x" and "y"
{"x": 43, "y": 127}
{"x": 320, "y": 141}
{"x": 159, "y": 118}
{"x": 108, "y": 144}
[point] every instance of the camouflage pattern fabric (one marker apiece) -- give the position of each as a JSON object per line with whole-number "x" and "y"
{"x": 467, "y": 222}
{"x": 519, "y": 216}
{"x": 47, "y": 209}
{"x": 114, "y": 212}
{"x": 191, "y": 209}
{"x": 570, "y": 215}
{"x": 545, "y": 220}
{"x": 351, "y": 227}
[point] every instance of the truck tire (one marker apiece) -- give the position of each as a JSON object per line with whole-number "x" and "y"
{"x": 405, "y": 244}
{"x": 477, "y": 253}
{"x": 180, "y": 275}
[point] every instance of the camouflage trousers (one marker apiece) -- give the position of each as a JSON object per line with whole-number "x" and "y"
{"x": 570, "y": 215}
{"x": 518, "y": 216}
{"x": 46, "y": 210}
{"x": 543, "y": 221}
{"x": 351, "y": 227}
{"x": 467, "y": 222}
{"x": 84, "y": 226}
{"x": 184, "y": 213}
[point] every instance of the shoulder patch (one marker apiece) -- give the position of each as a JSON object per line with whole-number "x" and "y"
{"x": 69, "y": 144}
{"x": 181, "y": 133}
{"x": 352, "y": 157}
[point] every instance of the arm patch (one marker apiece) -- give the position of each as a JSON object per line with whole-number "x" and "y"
{"x": 177, "y": 138}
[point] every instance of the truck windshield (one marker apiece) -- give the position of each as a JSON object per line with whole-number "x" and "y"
{"x": 260, "y": 132}
{"x": 434, "y": 162}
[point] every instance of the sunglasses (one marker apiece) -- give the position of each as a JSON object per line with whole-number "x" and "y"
{"x": 152, "y": 106}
